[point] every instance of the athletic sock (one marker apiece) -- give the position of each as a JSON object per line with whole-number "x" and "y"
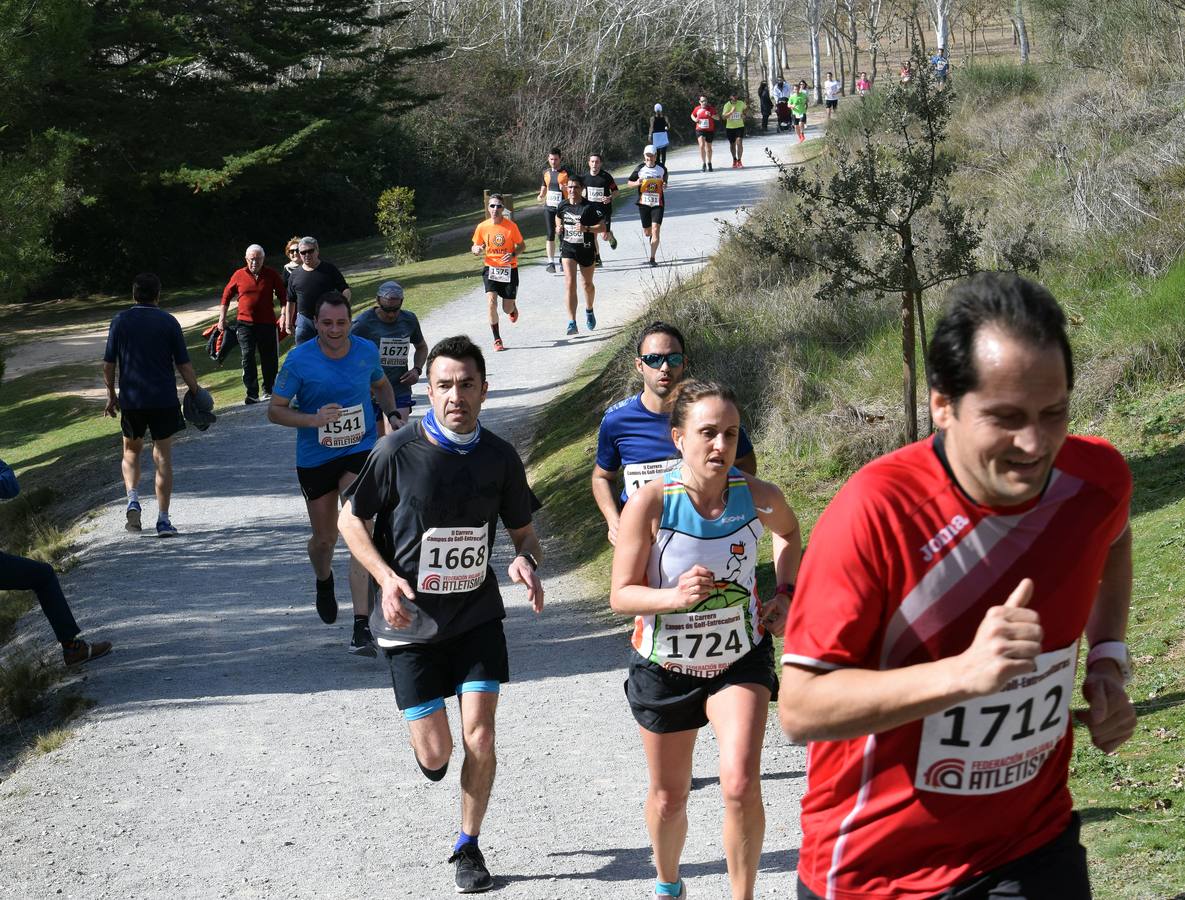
{"x": 360, "y": 620}
{"x": 668, "y": 888}
{"x": 497, "y": 335}
{"x": 133, "y": 496}
{"x": 466, "y": 839}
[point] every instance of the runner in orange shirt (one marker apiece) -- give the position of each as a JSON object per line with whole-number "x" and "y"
{"x": 499, "y": 239}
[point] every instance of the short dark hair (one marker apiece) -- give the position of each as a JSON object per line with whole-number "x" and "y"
{"x": 597, "y": 153}
{"x": 331, "y": 298}
{"x": 1017, "y": 306}
{"x": 576, "y": 179}
{"x": 691, "y": 391}
{"x": 661, "y": 328}
{"x": 556, "y": 150}
{"x": 457, "y": 347}
{"x": 146, "y": 288}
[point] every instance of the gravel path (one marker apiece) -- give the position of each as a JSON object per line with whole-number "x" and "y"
{"x": 237, "y": 750}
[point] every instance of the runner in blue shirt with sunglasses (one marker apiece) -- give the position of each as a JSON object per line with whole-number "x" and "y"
{"x": 635, "y": 435}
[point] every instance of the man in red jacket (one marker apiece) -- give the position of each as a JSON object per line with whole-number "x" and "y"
{"x": 257, "y": 288}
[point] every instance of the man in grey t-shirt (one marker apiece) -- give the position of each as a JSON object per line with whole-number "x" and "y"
{"x": 395, "y": 331}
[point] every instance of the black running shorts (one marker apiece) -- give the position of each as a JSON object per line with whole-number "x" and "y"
{"x": 507, "y": 290}
{"x": 317, "y": 481}
{"x": 650, "y": 214}
{"x": 160, "y": 423}
{"x": 1056, "y": 871}
{"x": 584, "y": 256}
{"x": 421, "y": 673}
{"x": 665, "y": 702}
{"x": 549, "y": 214}
{"x": 734, "y": 134}
{"x": 833, "y": 104}
{"x": 708, "y": 136}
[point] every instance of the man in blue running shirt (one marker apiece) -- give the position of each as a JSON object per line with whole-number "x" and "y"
{"x": 635, "y": 433}
{"x": 331, "y": 379}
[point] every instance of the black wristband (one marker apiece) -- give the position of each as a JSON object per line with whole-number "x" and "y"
{"x": 534, "y": 563}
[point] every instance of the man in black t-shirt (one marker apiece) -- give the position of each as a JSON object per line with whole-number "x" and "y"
{"x": 600, "y": 188}
{"x": 309, "y": 281}
{"x": 578, "y": 223}
{"x": 435, "y": 490}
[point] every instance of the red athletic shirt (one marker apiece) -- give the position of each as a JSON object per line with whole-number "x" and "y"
{"x": 900, "y": 570}
{"x": 704, "y": 117}
{"x": 255, "y": 295}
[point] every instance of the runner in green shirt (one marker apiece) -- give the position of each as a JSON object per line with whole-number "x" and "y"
{"x": 798, "y": 101}
{"x": 734, "y": 127}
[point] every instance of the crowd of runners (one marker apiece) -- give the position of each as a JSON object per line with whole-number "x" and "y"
{"x": 931, "y": 634}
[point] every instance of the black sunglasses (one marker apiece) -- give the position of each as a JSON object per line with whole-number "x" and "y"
{"x": 308, "y": 252}
{"x": 496, "y": 206}
{"x": 655, "y": 360}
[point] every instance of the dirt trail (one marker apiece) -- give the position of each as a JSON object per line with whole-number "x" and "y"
{"x": 237, "y": 750}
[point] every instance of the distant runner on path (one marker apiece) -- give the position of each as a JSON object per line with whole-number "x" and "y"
{"x": 705, "y": 118}
{"x": 635, "y": 434}
{"x": 332, "y": 378}
{"x": 734, "y": 128}
{"x": 146, "y": 343}
{"x": 436, "y": 490}
{"x": 551, "y": 195}
{"x": 578, "y": 223}
{"x": 600, "y": 187}
{"x": 931, "y": 651}
{"x": 685, "y": 565}
{"x": 396, "y": 332}
{"x": 500, "y": 242}
{"x": 651, "y": 181}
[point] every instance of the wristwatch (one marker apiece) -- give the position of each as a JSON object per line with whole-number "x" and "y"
{"x": 1115, "y": 651}
{"x": 534, "y": 563}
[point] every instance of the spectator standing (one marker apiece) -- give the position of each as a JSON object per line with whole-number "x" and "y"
{"x": 767, "y": 105}
{"x": 256, "y": 288}
{"x": 307, "y": 284}
{"x": 660, "y": 134}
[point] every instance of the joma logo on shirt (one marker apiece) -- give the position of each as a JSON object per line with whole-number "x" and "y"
{"x": 947, "y": 534}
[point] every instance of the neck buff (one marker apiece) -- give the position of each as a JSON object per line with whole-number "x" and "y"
{"x": 450, "y": 440}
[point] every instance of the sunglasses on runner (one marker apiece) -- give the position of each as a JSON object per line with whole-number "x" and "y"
{"x": 496, "y": 206}
{"x": 308, "y": 252}
{"x": 655, "y": 360}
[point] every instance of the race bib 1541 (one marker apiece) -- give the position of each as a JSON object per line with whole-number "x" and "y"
{"x": 349, "y": 429}
{"x": 995, "y": 743}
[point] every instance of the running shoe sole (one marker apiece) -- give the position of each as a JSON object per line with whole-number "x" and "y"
{"x": 498, "y": 346}
{"x": 612, "y": 242}
{"x": 513, "y": 315}
{"x": 133, "y": 520}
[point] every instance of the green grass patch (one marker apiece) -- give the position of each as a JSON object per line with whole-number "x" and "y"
{"x": 993, "y": 82}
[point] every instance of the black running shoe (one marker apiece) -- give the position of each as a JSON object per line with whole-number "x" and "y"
{"x": 326, "y": 601}
{"x": 362, "y": 644}
{"x": 472, "y": 875}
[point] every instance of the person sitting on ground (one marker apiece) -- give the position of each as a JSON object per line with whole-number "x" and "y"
{"x": 19, "y": 573}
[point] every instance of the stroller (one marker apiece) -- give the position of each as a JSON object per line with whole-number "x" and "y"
{"x": 785, "y": 117}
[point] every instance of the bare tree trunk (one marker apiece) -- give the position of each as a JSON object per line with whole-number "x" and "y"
{"x": 925, "y": 342}
{"x": 910, "y": 300}
{"x": 1022, "y": 32}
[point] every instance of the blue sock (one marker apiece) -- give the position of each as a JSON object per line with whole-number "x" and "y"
{"x": 668, "y": 888}
{"x": 465, "y": 839}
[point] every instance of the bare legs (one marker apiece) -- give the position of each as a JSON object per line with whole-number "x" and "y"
{"x": 586, "y": 276}
{"x": 323, "y": 518}
{"x": 162, "y": 458}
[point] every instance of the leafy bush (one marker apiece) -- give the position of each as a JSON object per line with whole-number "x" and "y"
{"x": 396, "y": 220}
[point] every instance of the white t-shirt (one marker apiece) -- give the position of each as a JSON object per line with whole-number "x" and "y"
{"x": 831, "y": 90}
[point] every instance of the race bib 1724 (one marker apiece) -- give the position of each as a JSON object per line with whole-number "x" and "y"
{"x": 349, "y": 429}
{"x": 994, "y": 743}
{"x": 701, "y": 643}
{"x": 453, "y": 559}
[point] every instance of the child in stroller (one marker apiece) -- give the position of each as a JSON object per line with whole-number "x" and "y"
{"x": 785, "y": 117}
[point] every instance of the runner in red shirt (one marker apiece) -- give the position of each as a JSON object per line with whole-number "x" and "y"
{"x": 931, "y": 649}
{"x": 705, "y": 118}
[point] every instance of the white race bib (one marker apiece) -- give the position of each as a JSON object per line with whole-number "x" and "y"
{"x": 703, "y": 124}
{"x": 554, "y": 198}
{"x": 735, "y": 115}
{"x": 393, "y": 352}
{"x": 573, "y": 234}
{"x": 453, "y": 559}
{"x": 348, "y": 430}
{"x": 649, "y": 198}
{"x": 498, "y": 273}
{"x": 639, "y": 474}
{"x": 995, "y": 743}
{"x": 595, "y": 194}
{"x": 703, "y": 643}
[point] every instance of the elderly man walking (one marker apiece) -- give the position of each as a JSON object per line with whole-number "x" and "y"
{"x": 257, "y": 288}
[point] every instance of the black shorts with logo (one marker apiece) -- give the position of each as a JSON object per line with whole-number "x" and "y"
{"x": 421, "y": 673}
{"x": 585, "y": 256}
{"x": 161, "y": 423}
{"x": 665, "y": 702}
{"x": 1056, "y": 871}
{"x": 317, "y": 481}
{"x": 507, "y": 290}
{"x": 650, "y": 215}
